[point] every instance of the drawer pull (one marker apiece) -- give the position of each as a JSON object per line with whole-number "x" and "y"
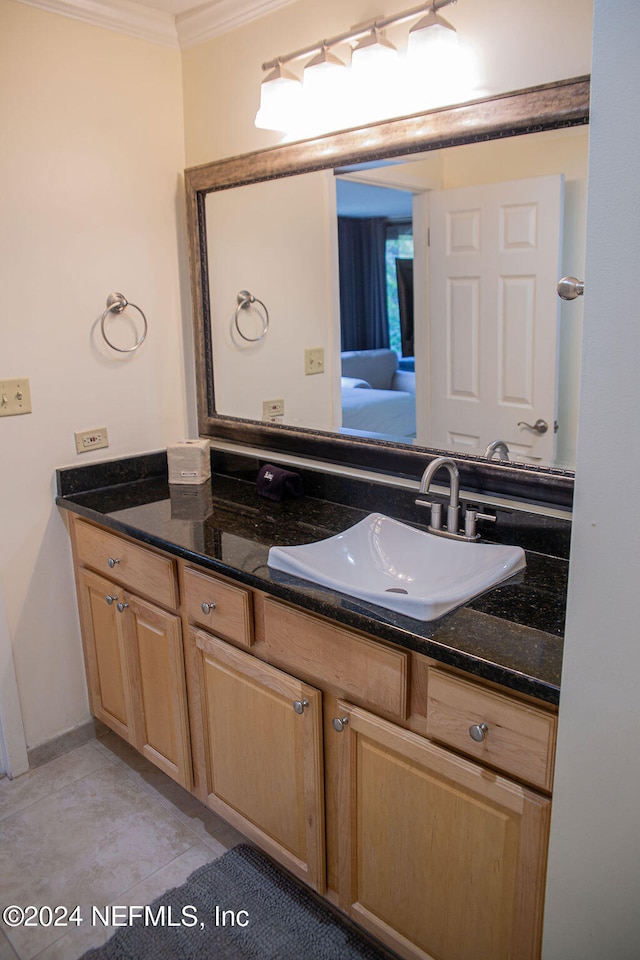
{"x": 478, "y": 732}
{"x": 299, "y": 705}
{"x": 111, "y": 599}
{"x": 207, "y": 607}
{"x": 339, "y": 723}
{"x": 112, "y": 561}
{"x": 122, "y": 606}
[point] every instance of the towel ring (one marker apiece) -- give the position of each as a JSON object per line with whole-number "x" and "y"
{"x": 117, "y": 303}
{"x": 244, "y": 300}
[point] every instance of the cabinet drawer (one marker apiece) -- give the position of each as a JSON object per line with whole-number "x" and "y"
{"x": 361, "y": 670}
{"x": 519, "y": 739}
{"x": 223, "y": 609}
{"x": 135, "y": 567}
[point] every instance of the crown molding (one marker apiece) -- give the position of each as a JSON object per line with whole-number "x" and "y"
{"x": 221, "y": 16}
{"x": 146, "y": 23}
{"x": 124, "y": 16}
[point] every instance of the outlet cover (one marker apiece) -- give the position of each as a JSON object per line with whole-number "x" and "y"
{"x": 273, "y": 410}
{"x": 91, "y": 439}
{"x": 314, "y": 360}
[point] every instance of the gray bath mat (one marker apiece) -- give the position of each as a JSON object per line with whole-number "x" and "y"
{"x": 239, "y": 907}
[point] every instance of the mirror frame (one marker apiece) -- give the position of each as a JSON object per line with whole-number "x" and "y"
{"x": 549, "y": 106}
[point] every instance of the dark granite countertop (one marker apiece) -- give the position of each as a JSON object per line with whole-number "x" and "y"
{"x": 511, "y": 635}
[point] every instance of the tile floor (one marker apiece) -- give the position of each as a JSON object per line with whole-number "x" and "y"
{"x": 96, "y": 826}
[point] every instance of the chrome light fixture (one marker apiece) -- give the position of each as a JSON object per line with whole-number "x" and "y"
{"x": 373, "y": 49}
{"x": 280, "y": 99}
{"x": 325, "y": 70}
{"x": 334, "y": 93}
{"x": 431, "y": 33}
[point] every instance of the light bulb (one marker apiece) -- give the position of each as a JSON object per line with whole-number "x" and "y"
{"x": 280, "y": 100}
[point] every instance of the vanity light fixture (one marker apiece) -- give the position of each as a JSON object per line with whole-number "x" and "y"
{"x": 431, "y": 33}
{"x": 373, "y": 49}
{"x": 329, "y": 89}
{"x": 280, "y": 96}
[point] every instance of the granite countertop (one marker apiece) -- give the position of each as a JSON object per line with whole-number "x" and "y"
{"x": 511, "y": 635}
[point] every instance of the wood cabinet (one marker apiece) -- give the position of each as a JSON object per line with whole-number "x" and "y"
{"x": 412, "y": 796}
{"x": 436, "y": 858}
{"x": 263, "y": 754}
{"x": 133, "y": 654}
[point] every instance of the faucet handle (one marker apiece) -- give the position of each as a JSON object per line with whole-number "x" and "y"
{"x": 472, "y": 514}
{"x": 436, "y": 513}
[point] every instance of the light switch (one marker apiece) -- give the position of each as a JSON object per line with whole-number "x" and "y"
{"x": 314, "y": 360}
{"x": 15, "y": 397}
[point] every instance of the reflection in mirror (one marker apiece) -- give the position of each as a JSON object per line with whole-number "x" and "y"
{"x": 428, "y": 285}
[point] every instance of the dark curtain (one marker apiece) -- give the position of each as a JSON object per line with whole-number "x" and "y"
{"x": 404, "y": 274}
{"x": 363, "y": 291}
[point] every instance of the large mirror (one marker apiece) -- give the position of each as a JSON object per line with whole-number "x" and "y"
{"x": 407, "y": 272}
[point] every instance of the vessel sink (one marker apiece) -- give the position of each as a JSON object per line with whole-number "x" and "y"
{"x": 399, "y": 567}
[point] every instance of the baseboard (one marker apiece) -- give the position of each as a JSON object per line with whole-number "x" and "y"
{"x": 65, "y": 742}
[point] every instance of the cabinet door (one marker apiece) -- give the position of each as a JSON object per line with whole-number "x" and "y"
{"x": 156, "y": 669}
{"x": 263, "y": 749}
{"x": 438, "y": 857}
{"x": 104, "y": 652}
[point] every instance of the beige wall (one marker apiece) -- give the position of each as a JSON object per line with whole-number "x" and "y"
{"x": 90, "y": 164}
{"x": 520, "y": 44}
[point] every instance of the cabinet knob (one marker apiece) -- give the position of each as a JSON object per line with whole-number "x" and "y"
{"x": 112, "y": 561}
{"x": 478, "y": 732}
{"x": 111, "y": 599}
{"x": 207, "y": 607}
{"x": 122, "y": 606}
{"x": 299, "y": 705}
{"x": 339, "y": 723}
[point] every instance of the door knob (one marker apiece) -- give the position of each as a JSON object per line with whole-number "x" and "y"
{"x": 299, "y": 705}
{"x": 540, "y": 426}
{"x": 110, "y": 599}
{"x": 569, "y": 288}
{"x": 112, "y": 561}
{"x": 122, "y": 606}
{"x": 207, "y": 607}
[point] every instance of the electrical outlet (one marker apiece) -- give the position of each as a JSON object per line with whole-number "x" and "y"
{"x": 314, "y": 360}
{"x": 273, "y": 410}
{"x": 15, "y": 397}
{"x": 91, "y": 440}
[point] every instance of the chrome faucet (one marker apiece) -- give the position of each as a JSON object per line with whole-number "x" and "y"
{"x": 472, "y": 514}
{"x": 454, "y": 495}
{"x": 499, "y": 447}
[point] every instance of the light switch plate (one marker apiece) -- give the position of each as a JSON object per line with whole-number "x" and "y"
{"x": 314, "y": 360}
{"x": 15, "y": 397}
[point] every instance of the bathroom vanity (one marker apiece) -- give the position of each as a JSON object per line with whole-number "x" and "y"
{"x": 402, "y": 769}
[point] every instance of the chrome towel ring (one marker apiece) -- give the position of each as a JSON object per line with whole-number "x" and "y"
{"x": 117, "y": 303}
{"x": 244, "y": 301}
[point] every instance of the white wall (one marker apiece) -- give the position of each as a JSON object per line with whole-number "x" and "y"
{"x": 594, "y": 867}
{"x": 247, "y": 230}
{"x": 90, "y": 161}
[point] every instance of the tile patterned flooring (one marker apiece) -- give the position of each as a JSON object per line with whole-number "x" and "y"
{"x": 96, "y": 826}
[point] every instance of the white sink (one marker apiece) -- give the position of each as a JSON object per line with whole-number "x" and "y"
{"x": 398, "y": 567}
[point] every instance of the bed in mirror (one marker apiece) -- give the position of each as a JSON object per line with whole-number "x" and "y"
{"x": 404, "y": 282}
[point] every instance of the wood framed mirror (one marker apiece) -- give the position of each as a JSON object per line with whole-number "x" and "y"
{"x": 559, "y": 106}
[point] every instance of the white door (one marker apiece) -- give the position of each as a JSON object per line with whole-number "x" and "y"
{"x": 494, "y": 267}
